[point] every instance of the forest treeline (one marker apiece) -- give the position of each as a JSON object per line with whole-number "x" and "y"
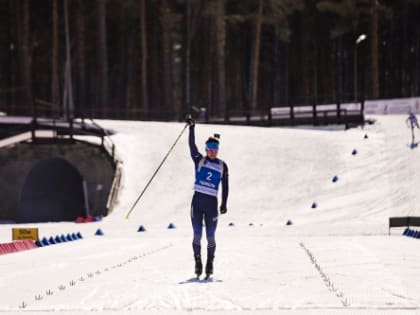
{"x": 160, "y": 59}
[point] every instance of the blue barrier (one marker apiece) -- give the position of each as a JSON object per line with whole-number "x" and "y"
{"x": 45, "y": 242}
{"x": 411, "y": 233}
{"x": 99, "y": 232}
{"x": 57, "y": 239}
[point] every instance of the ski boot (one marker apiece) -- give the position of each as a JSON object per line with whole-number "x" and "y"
{"x": 209, "y": 267}
{"x": 198, "y": 265}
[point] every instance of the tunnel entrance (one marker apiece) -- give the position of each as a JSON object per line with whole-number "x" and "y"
{"x": 53, "y": 191}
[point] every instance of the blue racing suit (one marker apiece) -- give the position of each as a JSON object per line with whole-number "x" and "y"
{"x": 413, "y": 121}
{"x": 208, "y": 175}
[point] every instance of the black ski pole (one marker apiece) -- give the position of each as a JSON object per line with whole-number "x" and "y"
{"x": 157, "y": 170}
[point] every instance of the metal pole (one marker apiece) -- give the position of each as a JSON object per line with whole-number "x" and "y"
{"x": 355, "y": 72}
{"x": 359, "y": 39}
{"x": 157, "y": 170}
{"x": 86, "y": 195}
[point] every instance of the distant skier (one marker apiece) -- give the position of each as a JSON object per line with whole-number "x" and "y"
{"x": 209, "y": 173}
{"x": 412, "y": 119}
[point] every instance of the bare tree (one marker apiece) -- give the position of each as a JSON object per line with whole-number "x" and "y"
{"x": 14, "y": 44}
{"x": 374, "y": 79}
{"x": 220, "y": 59}
{"x": 192, "y": 19}
{"x": 81, "y": 55}
{"x": 55, "y": 86}
{"x": 144, "y": 49}
{"x": 103, "y": 57}
{"x": 27, "y": 57}
{"x": 255, "y": 59}
{"x": 166, "y": 55}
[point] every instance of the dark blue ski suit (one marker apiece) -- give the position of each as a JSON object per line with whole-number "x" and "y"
{"x": 208, "y": 174}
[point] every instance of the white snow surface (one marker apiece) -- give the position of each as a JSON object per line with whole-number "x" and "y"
{"x": 336, "y": 258}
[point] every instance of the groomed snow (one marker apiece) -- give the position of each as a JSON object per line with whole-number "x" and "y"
{"x": 336, "y": 258}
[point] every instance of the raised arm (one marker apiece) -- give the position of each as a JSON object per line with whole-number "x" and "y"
{"x": 195, "y": 155}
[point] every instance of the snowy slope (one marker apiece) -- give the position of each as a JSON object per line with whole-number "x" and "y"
{"x": 336, "y": 258}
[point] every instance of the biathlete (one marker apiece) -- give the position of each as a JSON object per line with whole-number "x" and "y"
{"x": 209, "y": 173}
{"x": 412, "y": 119}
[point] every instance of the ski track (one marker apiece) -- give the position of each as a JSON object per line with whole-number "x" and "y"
{"x": 334, "y": 259}
{"x": 156, "y": 288}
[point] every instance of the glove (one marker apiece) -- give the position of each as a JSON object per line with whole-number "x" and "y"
{"x": 223, "y": 209}
{"x": 190, "y": 121}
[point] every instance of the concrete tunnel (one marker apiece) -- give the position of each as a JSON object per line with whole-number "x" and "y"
{"x": 53, "y": 191}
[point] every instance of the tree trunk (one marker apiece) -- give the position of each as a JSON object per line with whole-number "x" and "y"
{"x": 192, "y": 20}
{"x": 255, "y": 59}
{"x": 55, "y": 86}
{"x": 81, "y": 56}
{"x": 416, "y": 87}
{"x": 220, "y": 59}
{"x": 144, "y": 48}
{"x": 124, "y": 42}
{"x": 304, "y": 87}
{"x": 202, "y": 83}
{"x": 27, "y": 58}
{"x": 155, "y": 57}
{"x": 210, "y": 68}
{"x": 188, "y": 40}
{"x": 166, "y": 58}
{"x": 339, "y": 73}
{"x": 103, "y": 58}
{"x": 235, "y": 71}
{"x": 13, "y": 5}
{"x": 70, "y": 112}
{"x": 374, "y": 79}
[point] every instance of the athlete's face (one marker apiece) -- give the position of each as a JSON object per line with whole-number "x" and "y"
{"x": 212, "y": 153}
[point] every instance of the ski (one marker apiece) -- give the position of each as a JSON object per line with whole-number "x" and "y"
{"x": 207, "y": 278}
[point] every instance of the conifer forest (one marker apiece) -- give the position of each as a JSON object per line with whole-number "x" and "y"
{"x": 162, "y": 59}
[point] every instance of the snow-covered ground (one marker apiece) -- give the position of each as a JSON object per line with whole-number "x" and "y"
{"x": 336, "y": 258}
